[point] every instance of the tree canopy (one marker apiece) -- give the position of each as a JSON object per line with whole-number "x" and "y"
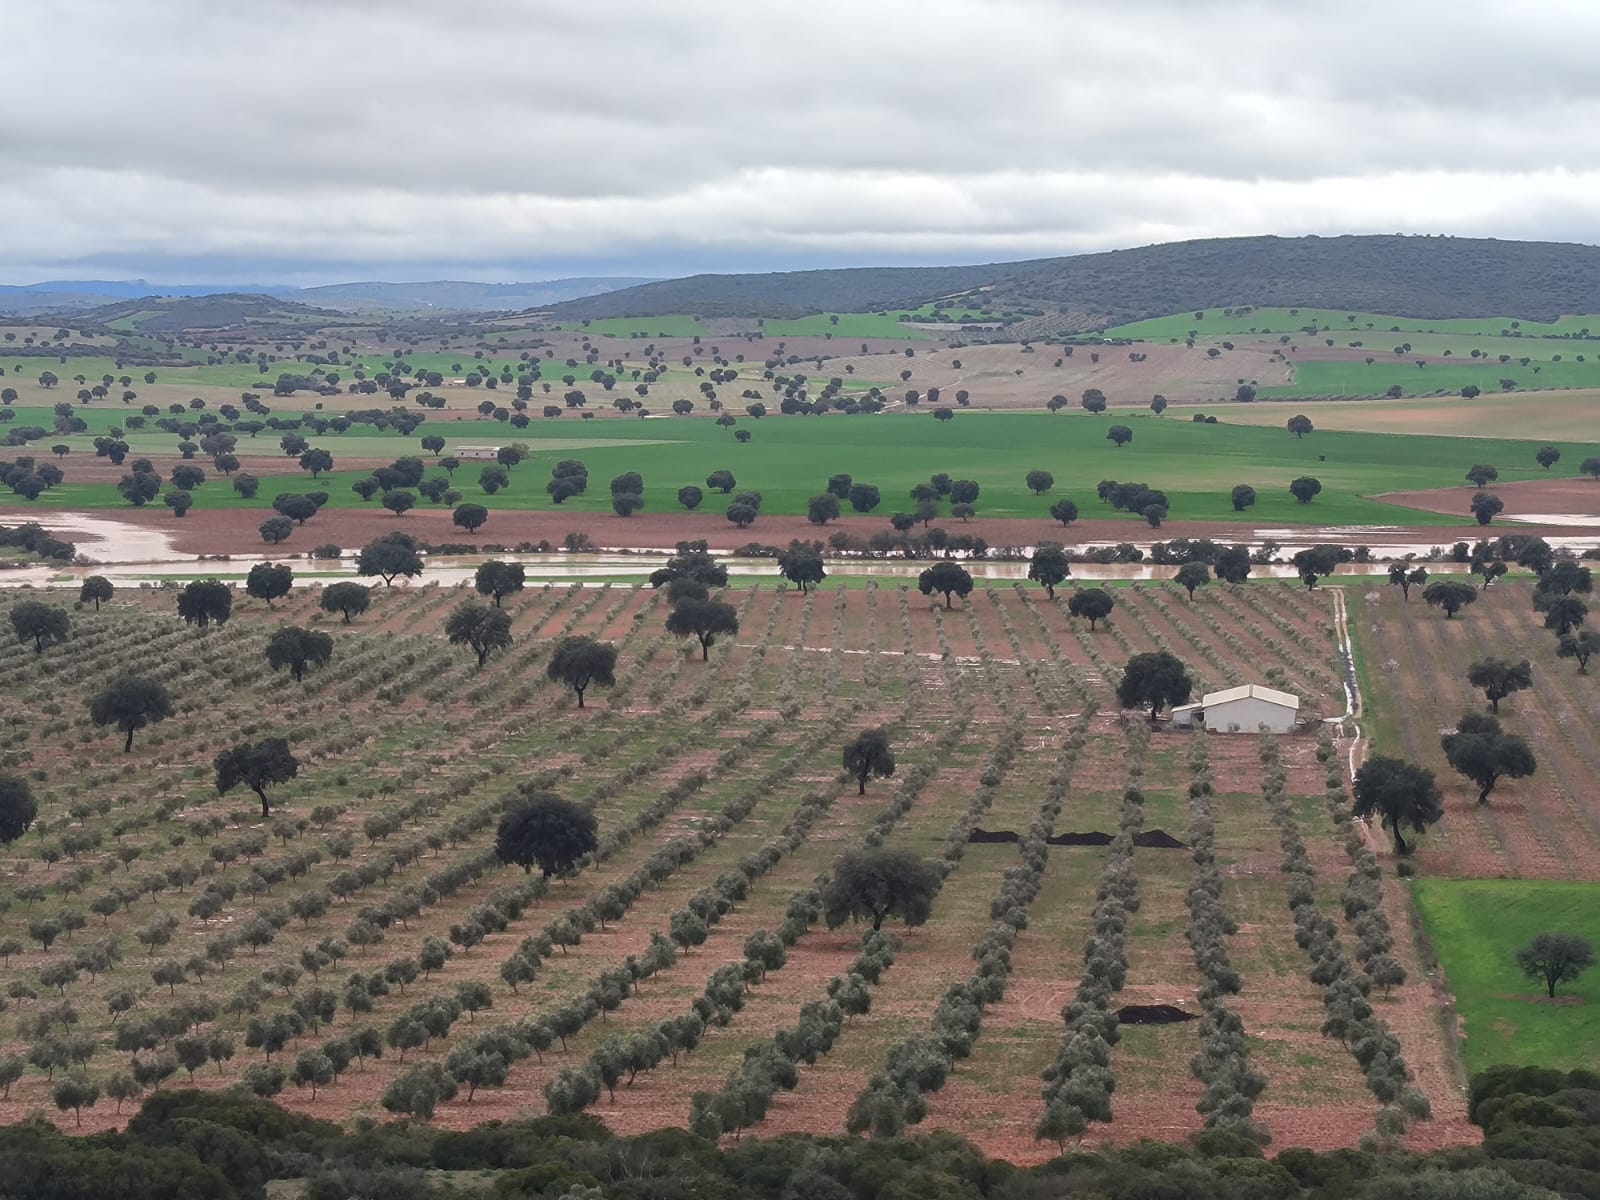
{"x": 204, "y": 602}
{"x": 1498, "y": 678}
{"x": 498, "y": 579}
{"x": 1450, "y": 595}
{"x": 17, "y": 807}
{"x": 42, "y": 624}
{"x": 545, "y": 831}
{"x": 269, "y": 581}
{"x": 1193, "y": 575}
{"x": 579, "y": 661}
{"x": 869, "y": 754}
{"x": 1094, "y": 603}
{"x": 350, "y": 599}
{"x": 1485, "y": 753}
{"x": 874, "y": 885}
{"x": 706, "y": 620}
{"x": 479, "y": 627}
{"x": 1049, "y": 566}
{"x": 801, "y": 564}
{"x": 96, "y": 588}
{"x": 130, "y": 702}
{"x": 1555, "y": 958}
{"x": 948, "y": 578}
{"x": 296, "y": 649}
{"x": 389, "y": 557}
{"x": 1402, "y": 795}
{"x": 1155, "y": 678}
{"x": 258, "y": 766}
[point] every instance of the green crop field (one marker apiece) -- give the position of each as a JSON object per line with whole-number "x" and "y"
{"x": 1361, "y": 379}
{"x": 1213, "y": 323}
{"x": 790, "y": 458}
{"x": 1476, "y": 926}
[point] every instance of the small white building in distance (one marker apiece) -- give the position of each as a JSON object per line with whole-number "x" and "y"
{"x": 1241, "y": 710}
{"x": 477, "y": 452}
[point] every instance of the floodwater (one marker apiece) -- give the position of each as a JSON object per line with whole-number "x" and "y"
{"x": 133, "y": 555}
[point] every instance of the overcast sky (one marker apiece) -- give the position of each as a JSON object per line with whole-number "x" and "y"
{"x": 322, "y": 140}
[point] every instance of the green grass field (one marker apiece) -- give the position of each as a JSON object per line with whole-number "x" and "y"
{"x": 1337, "y": 324}
{"x": 1359, "y": 379}
{"x": 1476, "y": 926}
{"x": 1551, "y": 416}
{"x": 790, "y": 459}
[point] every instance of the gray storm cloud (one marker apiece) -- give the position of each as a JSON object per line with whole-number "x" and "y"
{"x": 354, "y": 134}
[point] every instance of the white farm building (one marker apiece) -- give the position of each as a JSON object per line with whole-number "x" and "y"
{"x": 1241, "y": 710}
{"x": 477, "y": 451}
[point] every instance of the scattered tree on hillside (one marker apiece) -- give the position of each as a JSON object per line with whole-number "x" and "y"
{"x": 874, "y": 885}
{"x": 17, "y": 807}
{"x": 801, "y": 564}
{"x": 1243, "y": 497}
{"x": 1300, "y": 425}
{"x": 579, "y": 661}
{"x": 868, "y": 755}
{"x": 1486, "y": 506}
{"x": 690, "y": 497}
{"x": 864, "y": 497}
{"x": 1581, "y": 646}
{"x": 1040, "y": 482}
{"x": 350, "y": 599}
{"x": 1155, "y": 678}
{"x": 1498, "y": 678}
{"x": 1485, "y": 753}
{"x": 203, "y": 602}
{"x": 96, "y": 588}
{"x": 390, "y": 556}
{"x": 130, "y": 702}
{"x": 543, "y": 830}
{"x": 480, "y": 628}
{"x": 269, "y": 581}
{"x": 706, "y": 620}
{"x": 42, "y": 624}
{"x": 1401, "y": 794}
{"x": 1482, "y": 475}
{"x": 1562, "y": 614}
{"x": 1548, "y": 456}
{"x": 1193, "y": 575}
{"x": 1555, "y": 958}
{"x": 1405, "y": 577}
{"x": 948, "y": 578}
{"x": 1064, "y": 511}
{"x": 1094, "y": 603}
{"x": 1305, "y": 488}
{"x": 470, "y": 517}
{"x": 257, "y": 765}
{"x": 297, "y": 649}
{"x": 498, "y": 579}
{"x": 721, "y": 481}
{"x": 822, "y": 508}
{"x": 1450, "y": 595}
{"x": 1119, "y": 435}
{"x": 1049, "y": 566}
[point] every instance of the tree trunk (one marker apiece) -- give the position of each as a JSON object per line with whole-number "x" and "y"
{"x": 862, "y": 790}
{"x": 580, "y": 696}
{"x": 1550, "y": 982}
{"x": 261, "y": 792}
{"x": 947, "y": 602}
{"x": 1400, "y": 846}
{"x": 128, "y": 745}
{"x": 705, "y": 650}
{"x": 1494, "y": 703}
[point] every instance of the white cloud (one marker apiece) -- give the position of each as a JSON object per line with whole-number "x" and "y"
{"x": 386, "y": 134}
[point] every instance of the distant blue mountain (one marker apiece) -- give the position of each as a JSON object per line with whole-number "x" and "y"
{"x": 72, "y": 295}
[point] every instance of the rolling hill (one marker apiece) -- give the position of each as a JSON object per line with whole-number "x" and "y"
{"x": 1430, "y": 277}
